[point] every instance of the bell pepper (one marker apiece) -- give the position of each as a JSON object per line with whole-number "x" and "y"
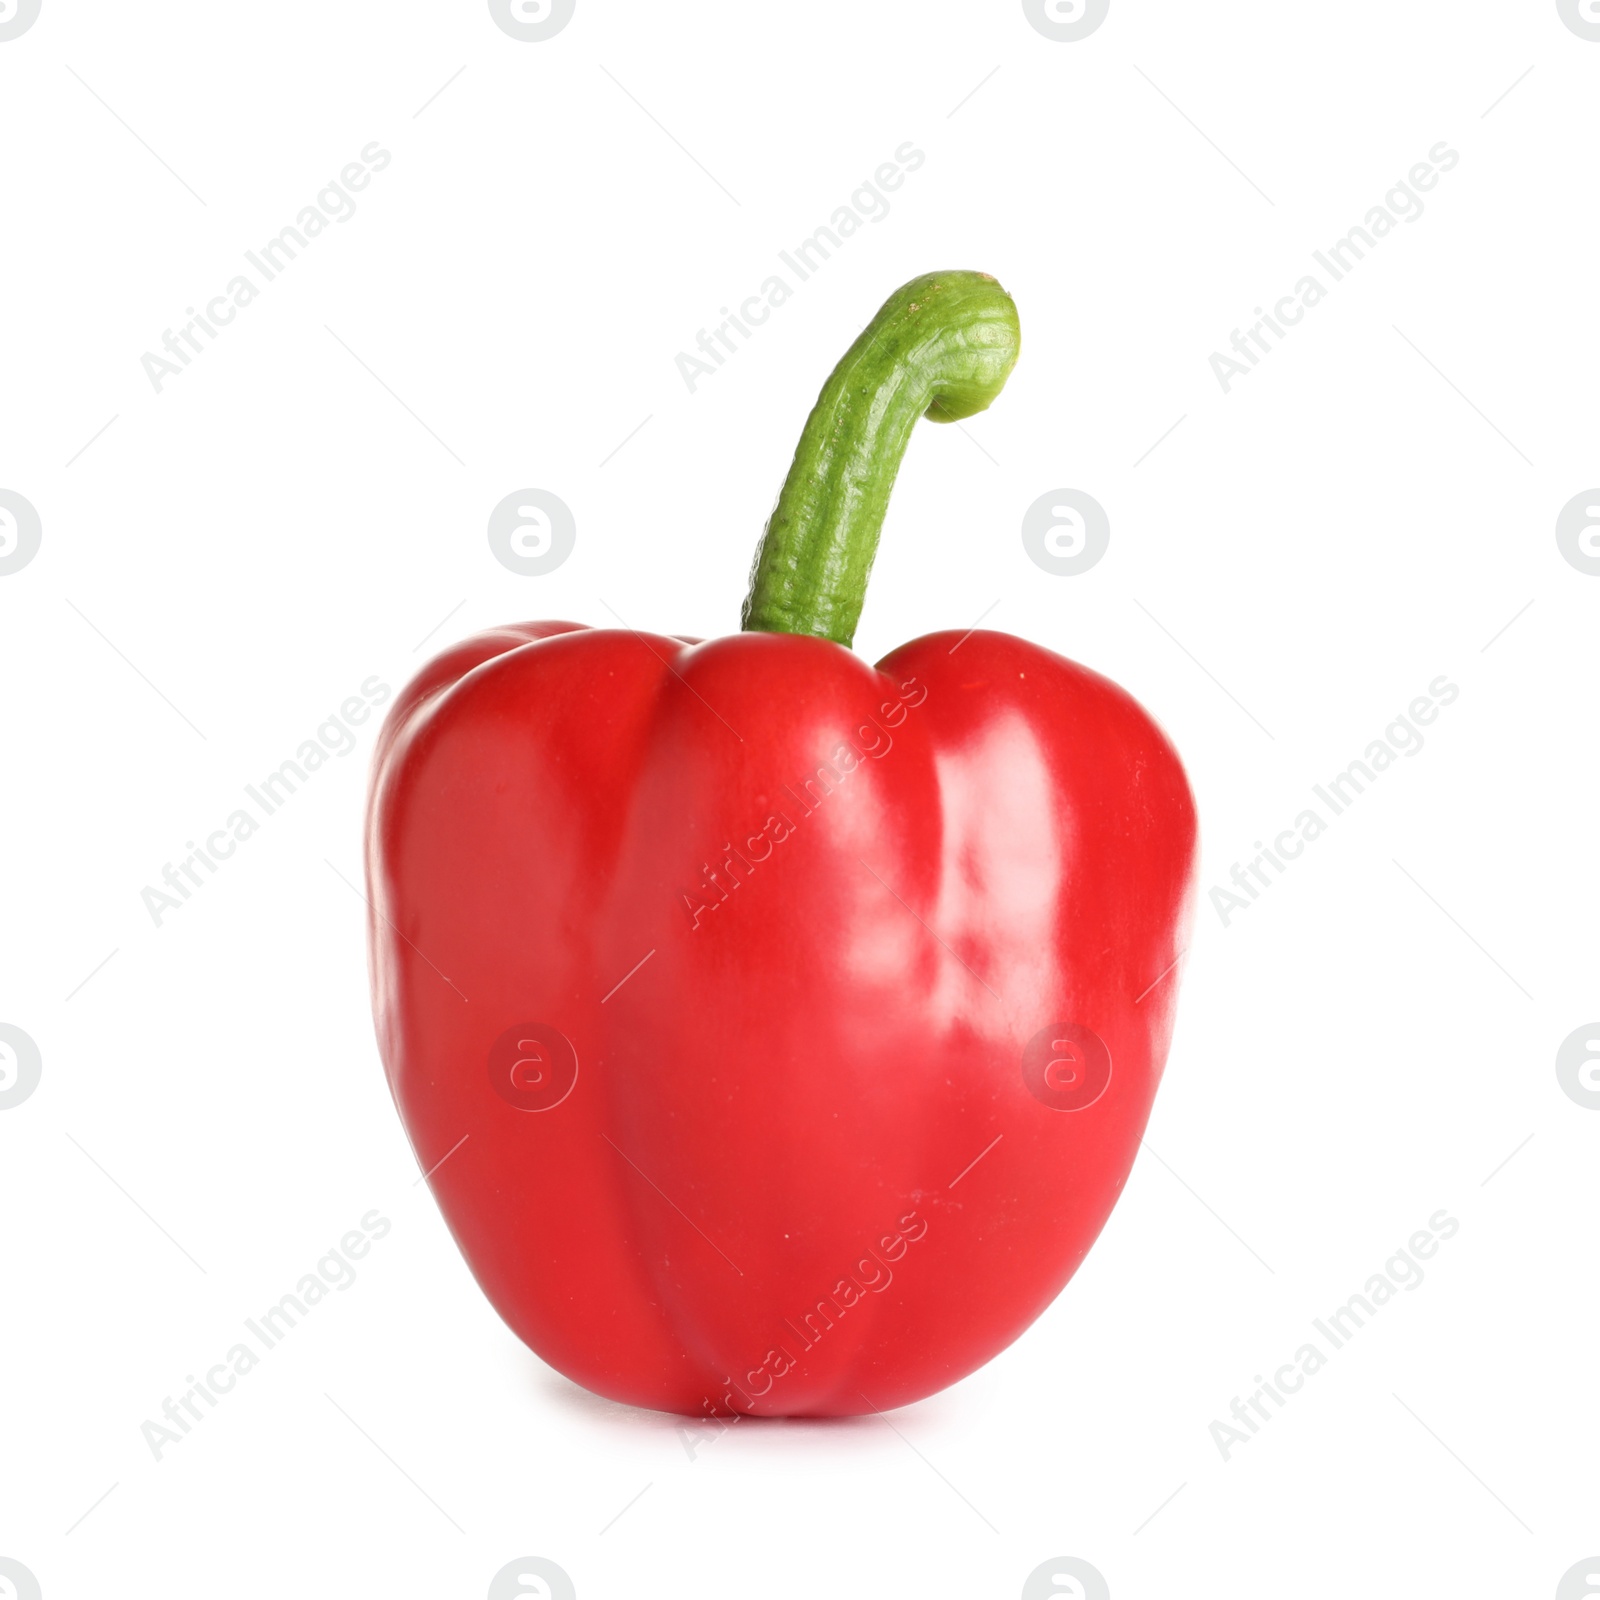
{"x": 777, "y": 1031}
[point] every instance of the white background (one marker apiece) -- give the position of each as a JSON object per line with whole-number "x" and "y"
{"x": 228, "y": 560}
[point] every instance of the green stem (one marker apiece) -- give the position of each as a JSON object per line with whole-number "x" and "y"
{"x": 942, "y": 346}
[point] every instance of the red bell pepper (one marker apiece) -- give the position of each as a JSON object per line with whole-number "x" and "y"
{"x": 779, "y": 1031}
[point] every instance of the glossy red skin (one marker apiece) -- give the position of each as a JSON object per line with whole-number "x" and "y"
{"x": 762, "y": 1102}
